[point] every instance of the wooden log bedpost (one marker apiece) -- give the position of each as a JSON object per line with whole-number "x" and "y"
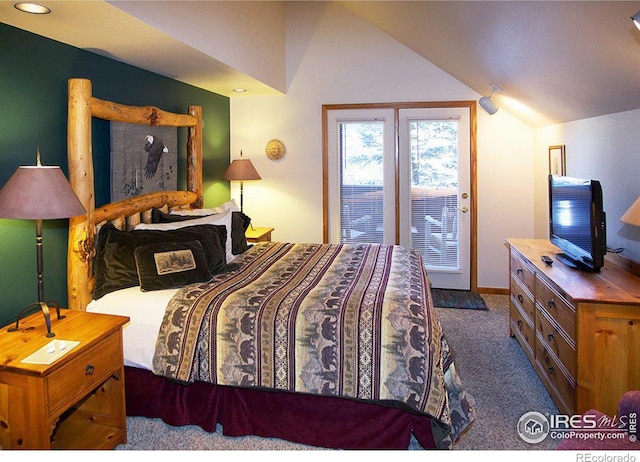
{"x": 81, "y": 229}
{"x": 194, "y": 157}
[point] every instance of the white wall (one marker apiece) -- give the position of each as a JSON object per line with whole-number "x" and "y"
{"x": 247, "y": 35}
{"x": 332, "y": 58}
{"x": 607, "y": 149}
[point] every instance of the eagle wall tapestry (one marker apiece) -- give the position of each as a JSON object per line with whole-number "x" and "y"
{"x": 144, "y": 159}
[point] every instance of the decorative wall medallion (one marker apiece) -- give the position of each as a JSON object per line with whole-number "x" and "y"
{"x": 275, "y": 149}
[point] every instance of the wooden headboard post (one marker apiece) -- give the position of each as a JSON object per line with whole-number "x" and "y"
{"x": 82, "y": 106}
{"x": 194, "y": 157}
{"x": 80, "y": 161}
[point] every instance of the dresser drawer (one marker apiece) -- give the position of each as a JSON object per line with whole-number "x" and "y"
{"x": 72, "y": 381}
{"x": 555, "y": 341}
{"x": 522, "y": 298}
{"x": 561, "y": 387}
{"x": 523, "y": 331}
{"x": 559, "y": 308}
{"x": 523, "y": 273}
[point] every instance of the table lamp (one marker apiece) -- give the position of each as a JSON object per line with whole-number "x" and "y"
{"x": 241, "y": 170}
{"x": 39, "y": 193}
{"x": 632, "y": 215}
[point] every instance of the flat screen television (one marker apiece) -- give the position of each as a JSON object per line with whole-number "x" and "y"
{"x": 577, "y": 222}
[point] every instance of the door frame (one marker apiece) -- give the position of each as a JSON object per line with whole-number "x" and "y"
{"x": 473, "y": 167}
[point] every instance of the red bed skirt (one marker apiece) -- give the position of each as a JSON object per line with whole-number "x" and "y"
{"x": 322, "y": 421}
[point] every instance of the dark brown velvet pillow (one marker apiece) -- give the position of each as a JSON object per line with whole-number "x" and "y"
{"x": 158, "y": 216}
{"x": 115, "y": 265}
{"x": 239, "y": 224}
{"x": 171, "y": 264}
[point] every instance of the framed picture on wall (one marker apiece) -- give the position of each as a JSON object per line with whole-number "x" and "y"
{"x": 557, "y": 160}
{"x": 144, "y": 159}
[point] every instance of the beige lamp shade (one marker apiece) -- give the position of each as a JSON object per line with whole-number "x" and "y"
{"x": 636, "y": 19}
{"x": 241, "y": 170}
{"x": 39, "y": 193}
{"x": 632, "y": 215}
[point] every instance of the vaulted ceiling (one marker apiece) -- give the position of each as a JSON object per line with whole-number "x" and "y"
{"x": 555, "y": 61}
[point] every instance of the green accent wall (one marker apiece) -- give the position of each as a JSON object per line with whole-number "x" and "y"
{"x": 34, "y": 72}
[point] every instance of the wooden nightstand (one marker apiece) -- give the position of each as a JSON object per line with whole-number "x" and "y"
{"x": 256, "y": 234}
{"x": 77, "y": 401}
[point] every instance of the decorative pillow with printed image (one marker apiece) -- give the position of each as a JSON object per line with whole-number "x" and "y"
{"x": 171, "y": 264}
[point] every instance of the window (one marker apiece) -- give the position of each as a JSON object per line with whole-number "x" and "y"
{"x": 434, "y": 179}
{"x": 361, "y": 180}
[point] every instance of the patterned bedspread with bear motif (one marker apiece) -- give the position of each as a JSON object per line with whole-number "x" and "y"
{"x": 353, "y": 321}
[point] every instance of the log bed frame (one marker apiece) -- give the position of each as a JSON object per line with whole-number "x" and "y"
{"x": 324, "y": 421}
{"x": 127, "y": 213}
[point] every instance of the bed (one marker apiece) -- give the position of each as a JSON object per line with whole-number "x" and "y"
{"x": 329, "y": 345}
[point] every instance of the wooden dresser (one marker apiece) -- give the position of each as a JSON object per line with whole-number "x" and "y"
{"x": 580, "y": 330}
{"x": 74, "y": 402}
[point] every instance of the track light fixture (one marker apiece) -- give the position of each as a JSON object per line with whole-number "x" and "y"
{"x": 487, "y": 104}
{"x": 636, "y": 19}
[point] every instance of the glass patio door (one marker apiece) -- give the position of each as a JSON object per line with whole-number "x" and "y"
{"x": 402, "y": 175}
{"x": 434, "y": 191}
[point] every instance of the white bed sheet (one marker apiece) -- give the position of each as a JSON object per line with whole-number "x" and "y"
{"x": 145, "y": 310}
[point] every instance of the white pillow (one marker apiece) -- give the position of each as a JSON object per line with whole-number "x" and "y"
{"x": 217, "y": 219}
{"x": 230, "y": 205}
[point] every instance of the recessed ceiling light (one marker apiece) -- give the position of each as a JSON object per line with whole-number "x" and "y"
{"x": 33, "y": 8}
{"x": 239, "y": 90}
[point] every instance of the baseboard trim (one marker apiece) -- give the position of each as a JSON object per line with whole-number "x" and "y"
{"x": 493, "y": 290}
